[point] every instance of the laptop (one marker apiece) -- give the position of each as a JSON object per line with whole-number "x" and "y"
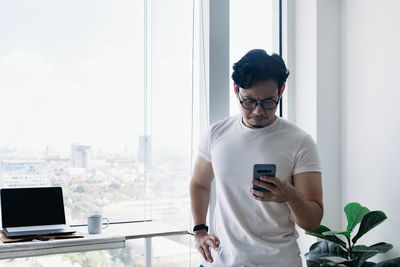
{"x": 33, "y": 211}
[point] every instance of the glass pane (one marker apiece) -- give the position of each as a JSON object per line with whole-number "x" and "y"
{"x": 80, "y": 112}
{"x": 169, "y": 166}
{"x": 72, "y": 102}
{"x": 253, "y": 24}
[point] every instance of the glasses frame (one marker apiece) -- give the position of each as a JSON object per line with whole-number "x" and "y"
{"x": 258, "y": 102}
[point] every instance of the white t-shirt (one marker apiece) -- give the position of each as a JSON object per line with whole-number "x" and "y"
{"x": 251, "y": 232}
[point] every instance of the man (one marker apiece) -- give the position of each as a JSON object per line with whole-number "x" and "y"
{"x": 252, "y": 227}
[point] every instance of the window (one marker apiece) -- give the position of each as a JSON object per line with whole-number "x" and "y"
{"x": 96, "y": 97}
{"x": 253, "y": 24}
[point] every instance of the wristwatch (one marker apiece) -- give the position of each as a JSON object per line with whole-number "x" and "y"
{"x": 200, "y": 227}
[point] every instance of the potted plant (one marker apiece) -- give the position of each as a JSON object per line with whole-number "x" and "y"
{"x": 336, "y": 251}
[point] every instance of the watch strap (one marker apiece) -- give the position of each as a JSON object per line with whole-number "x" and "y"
{"x": 200, "y": 227}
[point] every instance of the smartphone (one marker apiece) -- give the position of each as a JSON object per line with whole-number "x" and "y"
{"x": 263, "y": 170}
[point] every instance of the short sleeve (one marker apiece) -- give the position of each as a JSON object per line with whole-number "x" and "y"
{"x": 307, "y": 157}
{"x": 204, "y": 150}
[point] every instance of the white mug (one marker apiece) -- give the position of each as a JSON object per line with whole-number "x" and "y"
{"x": 95, "y": 222}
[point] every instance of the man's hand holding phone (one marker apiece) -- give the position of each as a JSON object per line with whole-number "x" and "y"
{"x": 203, "y": 243}
{"x": 268, "y": 188}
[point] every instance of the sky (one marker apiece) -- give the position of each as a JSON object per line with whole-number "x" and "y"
{"x": 73, "y": 71}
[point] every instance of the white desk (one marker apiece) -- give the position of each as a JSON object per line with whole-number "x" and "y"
{"x": 112, "y": 237}
{"x": 139, "y": 230}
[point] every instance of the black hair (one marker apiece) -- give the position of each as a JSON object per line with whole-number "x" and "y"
{"x": 257, "y": 66}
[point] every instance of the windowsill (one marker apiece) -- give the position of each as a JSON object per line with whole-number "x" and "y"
{"x": 113, "y": 237}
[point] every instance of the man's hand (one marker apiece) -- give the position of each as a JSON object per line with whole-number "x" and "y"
{"x": 203, "y": 243}
{"x": 304, "y": 199}
{"x": 280, "y": 191}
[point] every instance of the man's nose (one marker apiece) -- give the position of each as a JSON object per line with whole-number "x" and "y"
{"x": 258, "y": 109}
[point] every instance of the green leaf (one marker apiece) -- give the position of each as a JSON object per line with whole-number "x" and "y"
{"x": 322, "y": 229}
{"x": 338, "y": 264}
{"x": 362, "y": 253}
{"x": 331, "y": 233}
{"x": 389, "y": 263}
{"x": 368, "y": 264}
{"x": 326, "y": 249}
{"x": 380, "y": 247}
{"x": 370, "y": 220}
{"x": 330, "y": 264}
{"x": 313, "y": 264}
{"x": 354, "y": 213}
{"x": 314, "y": 245}
{"x": 324, "y": 263}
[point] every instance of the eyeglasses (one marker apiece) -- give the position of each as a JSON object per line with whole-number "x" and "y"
{"x": 266, "y": 104}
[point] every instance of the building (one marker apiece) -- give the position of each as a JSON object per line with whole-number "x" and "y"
{"x": 18, "y": 173}
{"x": 80, "y": 156}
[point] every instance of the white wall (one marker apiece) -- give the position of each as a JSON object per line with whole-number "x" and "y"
{"x": 302, "y": 82}
{"x": 317, "y": 95}
{"x": 370, "y": 112}
{"x": 317, "y": 92}
{"x": 328, "y": 108}
{"x": 305, "y": 71}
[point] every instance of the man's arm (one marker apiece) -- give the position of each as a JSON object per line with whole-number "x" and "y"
{"x": 304, "y": 198}
{"x": 307, "y": 207}
{"x": 200, "y": 187}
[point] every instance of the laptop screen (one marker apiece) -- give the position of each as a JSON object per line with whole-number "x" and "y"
{"x": 32, "y": 206}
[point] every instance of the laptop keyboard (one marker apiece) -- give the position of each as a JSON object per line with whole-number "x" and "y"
{"x": 35, "y": 228}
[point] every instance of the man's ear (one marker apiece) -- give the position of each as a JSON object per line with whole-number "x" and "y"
{"x": 236, "y": 88}
{"x": 282, "y": 90}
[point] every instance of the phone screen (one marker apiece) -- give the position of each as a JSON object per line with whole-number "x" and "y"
{"x": 263, "y": 170}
